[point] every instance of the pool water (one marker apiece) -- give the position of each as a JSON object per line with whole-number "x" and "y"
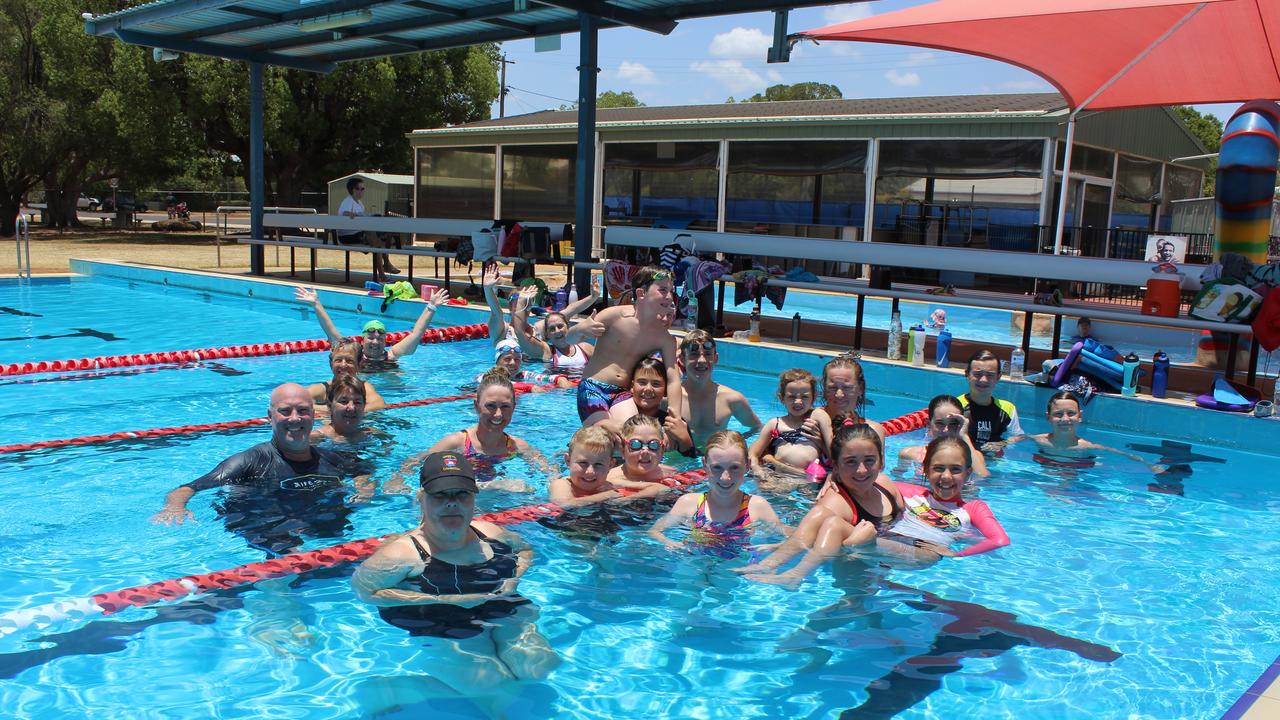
{"x": 1123, "y": 594}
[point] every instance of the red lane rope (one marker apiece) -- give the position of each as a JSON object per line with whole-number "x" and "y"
{"x": 434, "y": 335}
{"x": 355, "y": 550}
{"x": 190, "y": 429}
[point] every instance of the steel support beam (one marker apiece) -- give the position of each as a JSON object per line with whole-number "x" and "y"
{"x": 257, "y": 183}
{"x": 585, "y": 163}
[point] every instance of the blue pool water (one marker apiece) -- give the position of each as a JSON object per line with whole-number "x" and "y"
{"x": 1113, "y": 600}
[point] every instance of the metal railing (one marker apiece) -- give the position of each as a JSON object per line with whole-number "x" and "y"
{"x": 21, "y": 237}
{"x": 223, "y": 222}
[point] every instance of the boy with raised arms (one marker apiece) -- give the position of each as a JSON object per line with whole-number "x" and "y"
{"x": 626, "y": 334}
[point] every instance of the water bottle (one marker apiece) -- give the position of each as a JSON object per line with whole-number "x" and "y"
{"x": 691, "y": 313}
{"x": 943, "y": 350}
{"x": 572, "y": 297}
{"x": 919, "y": 339}
{"x": 795, "y": 328}
{"x": 1159, "y": 374}
{"x": 1130, "y": 375}
{"x": 561, "y": 299}
{"x": 1017, "y": 363}
{"x": 894, "y": 351}
{"x": 753, "y": 328}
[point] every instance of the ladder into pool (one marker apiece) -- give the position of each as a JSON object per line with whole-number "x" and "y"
{"x": 21, "y": 237}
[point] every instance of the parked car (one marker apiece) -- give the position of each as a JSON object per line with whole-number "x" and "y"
{"x": 84, "y": 202}
{"x": 125, "y": 202}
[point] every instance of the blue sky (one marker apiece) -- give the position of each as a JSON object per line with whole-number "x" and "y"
{"x": 709, "y": 60}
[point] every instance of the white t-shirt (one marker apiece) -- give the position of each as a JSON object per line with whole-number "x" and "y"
{"x": 350, "y": 205}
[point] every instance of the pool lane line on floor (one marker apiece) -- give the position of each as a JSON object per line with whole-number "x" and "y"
{"x": 193, "y": 429}
{"x": 435, "y": 335}
{"x": 177, "y": 588}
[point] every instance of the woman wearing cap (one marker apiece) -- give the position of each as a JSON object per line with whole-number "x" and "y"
{"x": 454, "y": 578}
{"x": 507, "y": 356}
{"x": 376, "y": 353}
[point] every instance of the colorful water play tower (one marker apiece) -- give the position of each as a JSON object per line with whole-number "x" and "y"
{"x": 1246, "y": 180}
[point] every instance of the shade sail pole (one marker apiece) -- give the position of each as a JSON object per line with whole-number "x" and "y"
{"x": 1071, "y": 121}
{"x": 584, "y": 165}
{"x": 257, "y": 185}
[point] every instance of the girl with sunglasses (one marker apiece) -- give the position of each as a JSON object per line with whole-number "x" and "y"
{"x": 643, "y": 444}
{"x": 946, "y": 418}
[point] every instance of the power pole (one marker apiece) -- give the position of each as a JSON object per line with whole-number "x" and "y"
{"x": 502, "y": 93}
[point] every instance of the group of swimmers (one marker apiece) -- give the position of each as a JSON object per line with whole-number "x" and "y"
{"x": 640, "y": 395}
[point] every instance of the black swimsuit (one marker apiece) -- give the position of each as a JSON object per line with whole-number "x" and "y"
{"x": 443, "y": 578}
{"x": 861, "y": 513}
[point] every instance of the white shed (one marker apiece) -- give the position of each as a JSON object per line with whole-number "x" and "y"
{"x": 383, "y": 193}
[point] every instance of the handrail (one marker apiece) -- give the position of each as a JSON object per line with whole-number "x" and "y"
{"x": 929, "y": 257}
{"x": 21, "y": 235}
{"x": 383, "y": 223}
{"x": 224, "y": 227}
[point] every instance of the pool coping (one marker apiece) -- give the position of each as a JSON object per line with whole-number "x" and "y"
{"x": 1264, "y": 693}
{"x": 1176, "y": 419}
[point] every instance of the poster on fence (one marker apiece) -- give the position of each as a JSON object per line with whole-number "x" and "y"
{"x": 1167, "y": 248}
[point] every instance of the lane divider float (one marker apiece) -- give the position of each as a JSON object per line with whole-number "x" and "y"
{"x": 191, "y": 429}
{"x": 435, "y": 335}
{"x": 174, "y": 589}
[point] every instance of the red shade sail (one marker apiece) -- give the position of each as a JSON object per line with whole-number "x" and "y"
{"x": 1181, "y": 52}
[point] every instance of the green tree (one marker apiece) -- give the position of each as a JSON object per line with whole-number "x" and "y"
{"x": 1208, "y": 130}
{"x": 318, "y": 127}
{"x": 611, "y": 99}
{"x": 798, "y": 91}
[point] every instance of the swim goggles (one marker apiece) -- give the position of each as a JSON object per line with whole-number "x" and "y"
{"x": 634, "y": 444}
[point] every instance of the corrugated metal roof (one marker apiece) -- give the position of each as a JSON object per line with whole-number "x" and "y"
{"x": 276, "y": 32}
{"x": 942, "y": 106}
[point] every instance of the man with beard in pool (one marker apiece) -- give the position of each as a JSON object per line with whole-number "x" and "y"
{"x": 277, "y": 491}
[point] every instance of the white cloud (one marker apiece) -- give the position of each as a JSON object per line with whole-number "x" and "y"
{"x": 636, "y": 73}
{"x": 847, "y": 13}
{"x": 902, "y": 79}
{"x": 741, "y": 42}
{"x": 919, "y": 58}
{"x": 732, "y": 74}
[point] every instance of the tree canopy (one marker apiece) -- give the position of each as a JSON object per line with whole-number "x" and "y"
{"x": 797, "y": 91}
{"x": 611, "y": 99}
{"x": 1208, "y": 130}
{"x": 80, "y": 110}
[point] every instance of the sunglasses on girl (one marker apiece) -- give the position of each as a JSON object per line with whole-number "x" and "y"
{"x": 654, "y": 445}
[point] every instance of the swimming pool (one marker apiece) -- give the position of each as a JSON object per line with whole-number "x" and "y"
{"x": 1113, "y": 599}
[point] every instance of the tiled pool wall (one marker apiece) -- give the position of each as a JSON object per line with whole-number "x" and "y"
{"x": 1172, "y": 419}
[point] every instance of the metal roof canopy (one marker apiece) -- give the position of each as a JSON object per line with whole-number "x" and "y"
{"x": 315, "y": 35}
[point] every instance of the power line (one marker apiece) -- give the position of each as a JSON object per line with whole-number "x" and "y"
{"x": 549, "y": 97}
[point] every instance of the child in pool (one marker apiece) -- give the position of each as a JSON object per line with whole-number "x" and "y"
{"x": 946, "y": 417}
{"x": 937, "y": 516}
{"x": 590, "y": 459}
{"x": 720, "y": 519}
{"x": 783, "y": 446}
{"x": 1063, "y": 446}
{"x": 857, "y": 500}
{"x": 643, "y": 444}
